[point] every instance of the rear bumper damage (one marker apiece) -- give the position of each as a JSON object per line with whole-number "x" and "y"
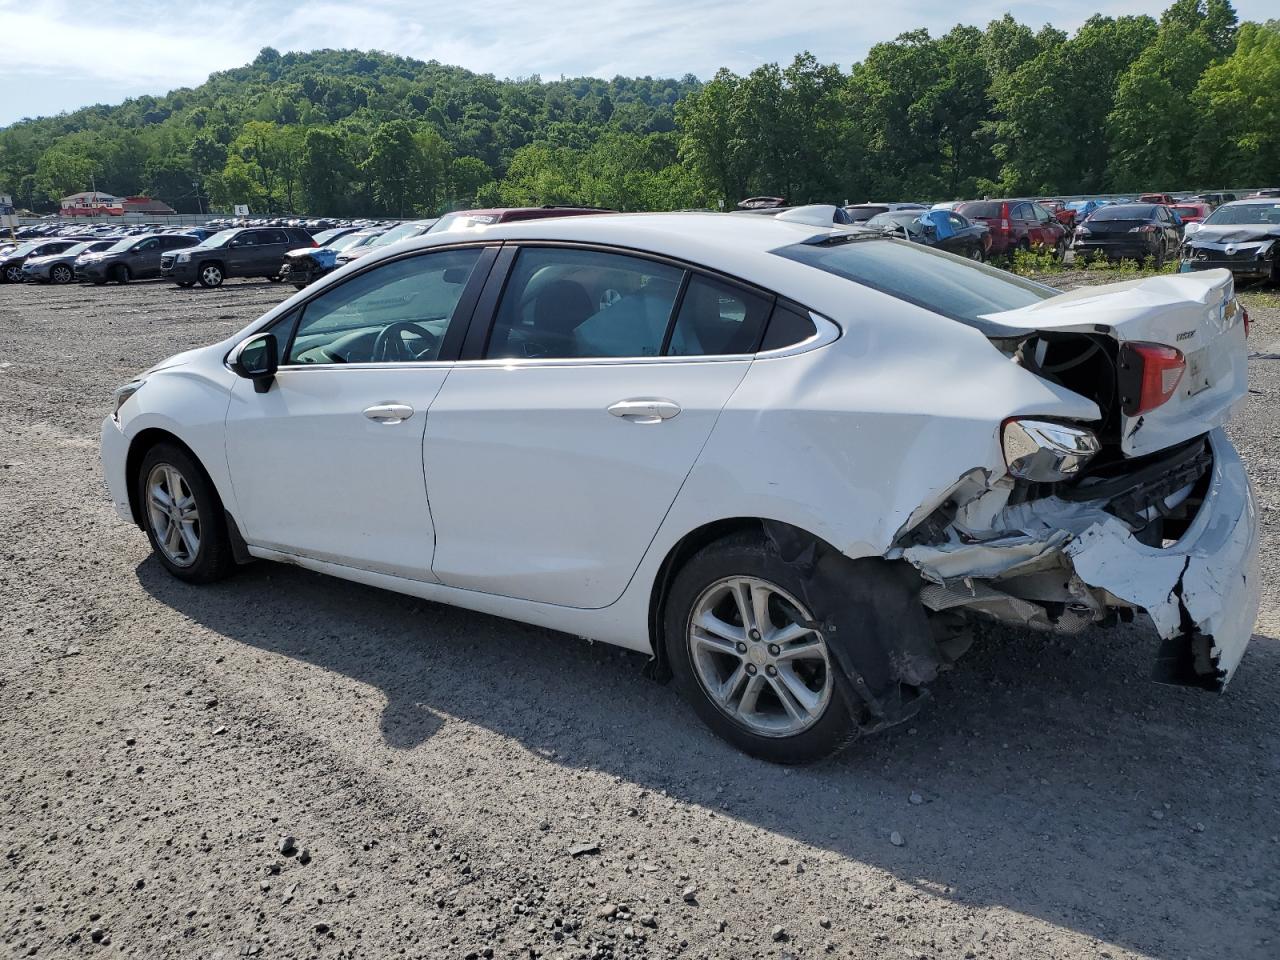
{"x": 1062, "y": 562}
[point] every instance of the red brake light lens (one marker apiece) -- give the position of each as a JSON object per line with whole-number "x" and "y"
{"x": 1149, "y": 374}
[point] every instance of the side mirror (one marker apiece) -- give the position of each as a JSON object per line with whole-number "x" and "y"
{"x": 256, "y": 358}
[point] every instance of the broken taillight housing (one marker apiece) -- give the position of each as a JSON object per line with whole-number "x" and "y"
{"x": 1149, "y": 374}
{"x": 1046, "y": 451}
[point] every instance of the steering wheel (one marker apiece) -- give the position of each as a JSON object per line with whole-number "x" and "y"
{"x": 390, "y": 346}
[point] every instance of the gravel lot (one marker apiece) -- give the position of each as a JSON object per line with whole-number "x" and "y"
{"x": 439, "y": 768}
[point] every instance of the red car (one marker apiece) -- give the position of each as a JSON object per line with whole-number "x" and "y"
{"x": 1061, "y": 212}
{"x": 1017, "y": 225}
{"x": 1156, "y": 198}
{"x": 1191, "y": 212}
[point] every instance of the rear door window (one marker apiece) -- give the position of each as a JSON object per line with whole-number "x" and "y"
{"x": 718, "y": 319}
{"x": 563, "y": 303}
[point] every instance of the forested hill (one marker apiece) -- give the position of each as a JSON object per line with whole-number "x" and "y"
{"x": 1191, "y": 99}
{"x": 332, "y": 131}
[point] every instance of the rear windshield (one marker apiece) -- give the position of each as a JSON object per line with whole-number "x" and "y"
{"x": 1125, "y": 212}
{"x": 960, "y": 289}
{"x": 990, "y": 209}
{"x": 1243, "y": 213}
{"x": 864, "y": 211}
{"x": 1187, "y": 211}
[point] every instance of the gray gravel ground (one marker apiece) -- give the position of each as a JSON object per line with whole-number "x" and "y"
{"x": 438, "y": 766}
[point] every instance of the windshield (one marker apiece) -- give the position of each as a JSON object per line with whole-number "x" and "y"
{"x": 402, "y": 232}
{"x": 959, "y": 289}
{"x": 1244, "y": 213}
{"x": 1130, "y": 212}
{"x": 898, "y": 220}
{"x": 347, "y": 240}
{"x": 219, "y": 239}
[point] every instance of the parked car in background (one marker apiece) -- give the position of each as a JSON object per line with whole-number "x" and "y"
{"x": 1082, "y": 209}
{"x": 1190, "y": 212}
{"x": 1017, "y": 225}
{"x": 787, "y": 490}
{"x": 1060, "y": 211}
{"x": 132, "y": 258}
{"x": 60, "y": 267}
{"x": 1164, "y": 198}
{"x": 943, "y": 229}
{"x": 308, "y": 264}
{"x": 819, "y": 214}
{"x": 11, "y": 264}
{"x": 1243, "y": 237}
{"x": 239, "y": 252}
{"x": 861, "y": 212}
{"x": 471, "y": 219}
{"x": 404, "y": 231}
{"x": 1215, "y": 199}
{"x": 1265, "y": 192}
{"x": 1130, "y": 231}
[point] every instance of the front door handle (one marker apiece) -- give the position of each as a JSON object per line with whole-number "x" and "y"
{"x": 389, "y": 413}
{"x": 645, "y": 411}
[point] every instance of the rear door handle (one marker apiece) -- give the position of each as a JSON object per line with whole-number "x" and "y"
{"x": 389, "y": 413}
{"x": 645, "y": 411}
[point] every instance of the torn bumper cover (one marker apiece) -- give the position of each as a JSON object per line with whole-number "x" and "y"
{"x": 1060, "y": 564}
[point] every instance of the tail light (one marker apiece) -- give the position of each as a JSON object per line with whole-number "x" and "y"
{"x": 1044, "y": 451}
{"x": 1149, "y": 373}
{"x": 1004, "y": 217}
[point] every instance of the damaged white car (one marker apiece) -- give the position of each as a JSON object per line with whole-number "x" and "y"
{"x": 783, "y": 459}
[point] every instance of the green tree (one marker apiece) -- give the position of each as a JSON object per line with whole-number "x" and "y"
{"x": 1149, "y": 129}
{"x": 1238, "y": 100}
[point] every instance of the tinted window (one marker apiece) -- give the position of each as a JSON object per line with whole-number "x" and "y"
{"x": 717, "y": 318}
{"x": 990, "y": 209}
{"x": 151, "y": 243}
{"x": 274, "y": 236}
{"x": 937, "y": 281}
{"x": 1128, "y": 211}
{"x": 562, "y": 303}
{"x": 787, "y": 327}
{"x": 1241, "y": 213}
{"x": 396, "y": 312}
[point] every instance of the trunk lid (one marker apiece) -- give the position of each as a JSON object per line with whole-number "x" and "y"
{"x": 1196, "y": 314}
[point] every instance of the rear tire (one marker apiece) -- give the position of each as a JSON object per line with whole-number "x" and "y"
{"x": 12, "y": 274}
{"x": 183, "y": 516}
{"x": 720, "y": 671}
{"x": 975, "y": 254}
{"x": 211, "y": 275}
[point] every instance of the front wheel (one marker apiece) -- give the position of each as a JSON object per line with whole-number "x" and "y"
{"x": 751, "y": 656}
{"x": 61, "y": 274}
{"x": 122, "y": 274}
{"x": 211, "y": 275}
{"x": 183, "y": 516}
{"x": 1060, "y": 250}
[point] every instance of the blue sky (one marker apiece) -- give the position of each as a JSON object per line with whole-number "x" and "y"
{"x": 62, "y": 54}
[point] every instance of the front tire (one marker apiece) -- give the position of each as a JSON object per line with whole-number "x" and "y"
{"x": 748, "y": 654}
{"x": 183, "y": 516}
{"x": 61, "y": 274}
{"x": 121, "y": 274}
{"x": 211, "y": 275}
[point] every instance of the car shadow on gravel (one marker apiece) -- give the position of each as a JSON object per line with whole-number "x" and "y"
{"x": 1047, "y": 776}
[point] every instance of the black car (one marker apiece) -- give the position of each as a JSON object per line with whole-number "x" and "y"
{"x": 943, "y": 229}
{"x": 1243, "y": 237}
{"x": 131, "y": 258}
{"x": 11, "y": 263}
{"x": 239, "y": 252}
{"x": 1130, "y": 231}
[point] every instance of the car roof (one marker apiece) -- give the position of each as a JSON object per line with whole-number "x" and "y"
{"x": 736, "y": 246}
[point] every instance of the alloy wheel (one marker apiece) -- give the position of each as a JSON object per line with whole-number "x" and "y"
{"x": 13, "y": 274}
{"x": 175, "y": 521}
{"x": 759, "y": 656}
{"x": 60, "y": 274}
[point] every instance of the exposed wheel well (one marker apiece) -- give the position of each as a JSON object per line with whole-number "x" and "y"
{"x": 686, "y": 547}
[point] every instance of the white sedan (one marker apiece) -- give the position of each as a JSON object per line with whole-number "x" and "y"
{"x": 787, "y": 460}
